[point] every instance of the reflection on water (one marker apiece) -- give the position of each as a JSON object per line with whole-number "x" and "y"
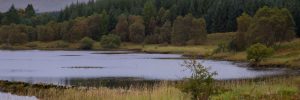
{"x": 8, "y": 96}
{"x": 35, "y": 66}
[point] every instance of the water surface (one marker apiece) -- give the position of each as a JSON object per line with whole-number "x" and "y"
{"x": 8, "y": 96}
{"x": 65, "y": 67}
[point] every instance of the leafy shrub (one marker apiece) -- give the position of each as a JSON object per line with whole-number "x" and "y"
{"x": 110, "y": 41}
{"x": 258, "y": 52}
{"x": 201, "y": 84}
{"x": 86, "y": 43}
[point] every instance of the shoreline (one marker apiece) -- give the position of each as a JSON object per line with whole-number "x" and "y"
{"x": 186, "y": 55}
{"x": 137, "y": 82}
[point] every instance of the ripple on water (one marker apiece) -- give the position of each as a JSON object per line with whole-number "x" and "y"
{"x": 84, "y": 67}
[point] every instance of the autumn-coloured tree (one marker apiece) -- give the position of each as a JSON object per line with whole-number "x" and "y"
{"x": 94, "y": 26}
{"x": 78, "y": 30}
{"x": 137, "y": 30}
{"x": 29, "y": 31}
{"x": 165, "y": 33}
{"x": 122, "y": 28}
{"x": 45, "y": 33}
{"x": 12, "y": 34}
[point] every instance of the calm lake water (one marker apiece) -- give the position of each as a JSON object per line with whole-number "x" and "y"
{"x": 67, "y": 67}
{"x": 8, "y": 96}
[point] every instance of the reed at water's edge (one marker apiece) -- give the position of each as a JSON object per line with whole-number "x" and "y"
{"x": 272, "y": 88}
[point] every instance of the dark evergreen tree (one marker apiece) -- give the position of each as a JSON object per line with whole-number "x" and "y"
{"x": 29, "y": 11}
{"x": 1, "y": 17}
{"x": 104, "y": 28}
{"x": 149, "y": 17}
{"x": 220, "y": 15}
{"x": 11, "y": 16}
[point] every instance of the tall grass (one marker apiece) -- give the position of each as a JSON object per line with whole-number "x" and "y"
{"x": 159, "y": 92}
{"x": 278, "y": 88}
{"x": 272, "y": 88}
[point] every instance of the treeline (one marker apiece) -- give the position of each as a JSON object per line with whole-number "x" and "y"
{"x": 220, "y": 15}
{"x": 26, "y": 16}
{"x": 185, "y": 30}
{"x": 177, "y": 22}
{"x": 268, "y": 26}
{"x": 149, "y": 28}
{"x": 130, "y": 28}
{"x": 74, "y": 30}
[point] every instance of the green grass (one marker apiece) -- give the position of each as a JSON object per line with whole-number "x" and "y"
{"x": 205, "y": 49}
{"x": 266, "y": 89}
{"x": 287, "y": 54}
{"x": 217, "y": 38}
{"x": 198, "y": 50}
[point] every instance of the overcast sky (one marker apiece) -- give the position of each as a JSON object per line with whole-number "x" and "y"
{"x": 39, "y": 5}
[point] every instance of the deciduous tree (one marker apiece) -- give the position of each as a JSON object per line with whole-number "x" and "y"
{"x": 122, "y": 28}
{"x": 137, "y": 31}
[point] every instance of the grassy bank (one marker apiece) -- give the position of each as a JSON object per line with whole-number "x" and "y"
{"x": 286, "y": 54}
{"x": 205, "y": 49}
{"x": 276, "y": 88}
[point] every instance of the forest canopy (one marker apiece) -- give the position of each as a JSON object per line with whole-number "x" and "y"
{"x": 177, "y": 22}
{"x": 220, "y": 15}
